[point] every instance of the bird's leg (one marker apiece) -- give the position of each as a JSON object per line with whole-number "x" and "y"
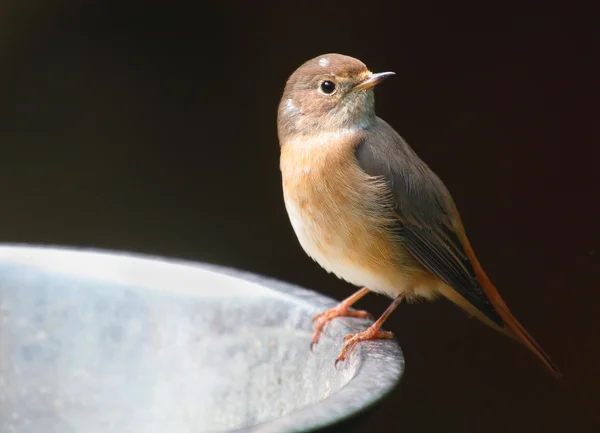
{"x": 340, "y": 310}
{"x": 372, "y": 332}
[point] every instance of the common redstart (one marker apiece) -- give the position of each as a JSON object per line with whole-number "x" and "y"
{"x": 365, "y": 207}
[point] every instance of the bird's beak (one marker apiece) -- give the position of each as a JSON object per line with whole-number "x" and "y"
{"x": 372, "y": 80}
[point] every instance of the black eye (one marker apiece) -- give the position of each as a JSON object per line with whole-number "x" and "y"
{"x": 327, "y": 87}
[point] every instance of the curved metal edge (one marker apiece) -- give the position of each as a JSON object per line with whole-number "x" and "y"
{"x": 377, "y": 365}
{"x": 380, "y": 362}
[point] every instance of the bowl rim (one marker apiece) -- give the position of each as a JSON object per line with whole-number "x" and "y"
{"x": 380, "y": 363}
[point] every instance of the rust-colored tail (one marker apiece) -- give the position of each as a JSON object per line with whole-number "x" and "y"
{"x": 519, "y": 332}
{"x": 512, "y": 326}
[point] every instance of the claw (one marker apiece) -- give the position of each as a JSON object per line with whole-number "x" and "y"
{"x": 335, "y": 365}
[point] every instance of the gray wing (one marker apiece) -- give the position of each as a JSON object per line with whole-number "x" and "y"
{"x": 425, "y": 209}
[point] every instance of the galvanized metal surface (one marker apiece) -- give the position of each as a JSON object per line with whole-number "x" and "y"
{"x": 95, "y": 342}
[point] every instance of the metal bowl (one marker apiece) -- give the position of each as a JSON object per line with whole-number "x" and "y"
{"x": 95, "y": 341}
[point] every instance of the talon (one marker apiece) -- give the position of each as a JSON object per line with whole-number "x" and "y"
{"x": 337, "y": 361}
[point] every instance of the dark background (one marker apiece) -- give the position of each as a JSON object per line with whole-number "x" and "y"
{"x": 151, "y": 128}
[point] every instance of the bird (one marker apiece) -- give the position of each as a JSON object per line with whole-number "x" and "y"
{"x": 366, "y": 208}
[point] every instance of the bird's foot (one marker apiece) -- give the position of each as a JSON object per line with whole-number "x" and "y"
{"x": 341, "y": 310}
{"x": 371, "y": 333}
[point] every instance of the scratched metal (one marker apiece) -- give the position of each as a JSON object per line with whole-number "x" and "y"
{"x": 96, "y": 342}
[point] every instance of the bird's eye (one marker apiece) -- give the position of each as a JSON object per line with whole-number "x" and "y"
{"x": 327, "y": 87}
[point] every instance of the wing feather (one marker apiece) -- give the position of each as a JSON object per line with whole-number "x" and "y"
{"x": 426, "y": 224}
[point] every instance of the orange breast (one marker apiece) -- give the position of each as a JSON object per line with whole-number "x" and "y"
{"x": 340, "y": 214}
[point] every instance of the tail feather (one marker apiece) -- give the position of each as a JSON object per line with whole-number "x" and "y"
{"x": 522, "y": 335}
{"x": 512, "y": 326}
